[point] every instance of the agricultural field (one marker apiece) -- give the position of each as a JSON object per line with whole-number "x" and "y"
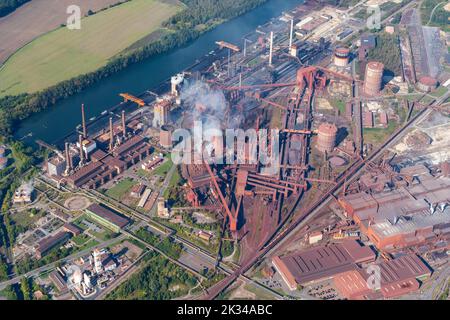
{"x": 63, "y": 54}
{"x": 37, "y": 18}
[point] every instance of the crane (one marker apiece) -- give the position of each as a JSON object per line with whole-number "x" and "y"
{"x": 128, "y": 97}
{"x": 233, "y": 218}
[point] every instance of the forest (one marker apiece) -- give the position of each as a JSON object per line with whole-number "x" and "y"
{"x": 159, "y": 279}
{"x": 184, "y": 26}
{"x": 388, "y": 52}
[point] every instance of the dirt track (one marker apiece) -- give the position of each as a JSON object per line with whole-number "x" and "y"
{"x": 36, "y": 18}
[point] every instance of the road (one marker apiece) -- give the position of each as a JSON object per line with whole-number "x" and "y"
{"x": 432, "y": 11}
{"x": 53, "y": 265}
{"x": 437, "y": 284}
{"x": 233, "y": 271}
{"x": 299, "y": 221}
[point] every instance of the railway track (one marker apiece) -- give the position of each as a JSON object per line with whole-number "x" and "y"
{"x": 350, "y": 173}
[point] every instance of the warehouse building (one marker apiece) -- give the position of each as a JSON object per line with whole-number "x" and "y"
{"x": 59, "y": 282}
{"x": 103, "y": 166}
{"x": 321, "y": 263}
{"x": 106, "y": 217}
{"x": 397, "y": 277}
{"x": 404, "y": 217}
{"x": 47, "y": 244}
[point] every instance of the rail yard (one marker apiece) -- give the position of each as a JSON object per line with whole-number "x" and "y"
{"x": 339, "y": 167}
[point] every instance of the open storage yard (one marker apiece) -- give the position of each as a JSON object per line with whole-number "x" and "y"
{"x": 63, "y": 54}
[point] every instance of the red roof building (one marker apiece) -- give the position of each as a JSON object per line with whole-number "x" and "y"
{"x": 398, "y": 277}
{"x": 321, "y": 262}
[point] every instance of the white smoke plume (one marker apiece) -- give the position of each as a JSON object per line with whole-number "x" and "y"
{"x": 205, "y": 104}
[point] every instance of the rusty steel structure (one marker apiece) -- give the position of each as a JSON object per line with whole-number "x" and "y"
{"x": 224, "y": 44}
{"x": 291, "y": 178}
{"x": 129, "y": 97}
{"x": 373, "y": 78}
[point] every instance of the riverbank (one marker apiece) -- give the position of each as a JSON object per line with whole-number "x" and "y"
{"x": 63, "y": 54}
{"x": 61, "y": 119}
{"x": 17, "y": 108}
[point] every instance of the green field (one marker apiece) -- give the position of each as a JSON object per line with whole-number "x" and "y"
{"x": 121, "y": 189}
{"x": 164, "y": 168}
{"x": 63, "y": 54}
{"x": 378, "y": 135}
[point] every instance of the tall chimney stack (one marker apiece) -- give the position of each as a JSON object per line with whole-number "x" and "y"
{"x": 68, "y": 159}
{"x": 271, "y": 49}
{"x": 111, "y": 134}
{"x": 83, "y": 121}
{"x": 124, "y": 128}
{"x": 291, "y": 34}
{"x": 80, "y": 141}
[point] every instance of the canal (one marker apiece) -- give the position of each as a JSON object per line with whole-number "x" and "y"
{"x": 61, "y": 119}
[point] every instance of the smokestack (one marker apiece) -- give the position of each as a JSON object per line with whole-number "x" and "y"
{"x": 111, "y": 134}
{"x": 124, "y": 128}
{"x": 245, "y": 47}
{"x": 83, "y": 121}
{"x": 68, "y": 159}
{"x": 80, "y": 140}
{"x": 291, "y": 34}
{"x": 271, "y": 48}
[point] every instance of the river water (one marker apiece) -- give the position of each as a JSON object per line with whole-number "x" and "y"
{"x": 61, "y": 119}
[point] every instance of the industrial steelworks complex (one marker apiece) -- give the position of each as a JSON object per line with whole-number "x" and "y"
{"x": 358, "y": 206}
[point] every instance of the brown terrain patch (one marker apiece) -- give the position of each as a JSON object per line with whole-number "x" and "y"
{"x": 77, "y": 203}
{"x": 36, "y": 18}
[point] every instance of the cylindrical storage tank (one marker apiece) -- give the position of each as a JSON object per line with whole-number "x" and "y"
{"x": 341, "y": 56}
{"x": 326, "y": 139}
{"x": 165, "y": 136}
{"x": 3, "y": 163}
{"x": 2, "y": 152}
{"x": 426, "y": 84}
{"x": 373, "y": 78}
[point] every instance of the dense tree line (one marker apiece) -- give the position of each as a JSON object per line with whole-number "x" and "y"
{"x": 11, "y": 292}
{"x": 387, "y": 51}
{"x": 23, "y": 161}
{"x": 156, "y": 281}
{"x": 25, "y": 288}
{"x": 29, "y": 263}
{"x": 440, "y": 16}
{"x": 204, "y": 12}
{"x": 3, "y": 269}
{"x": 167, "y": 245}
{"x": 8, "y": 6}
{"x": 201, "y": 12}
